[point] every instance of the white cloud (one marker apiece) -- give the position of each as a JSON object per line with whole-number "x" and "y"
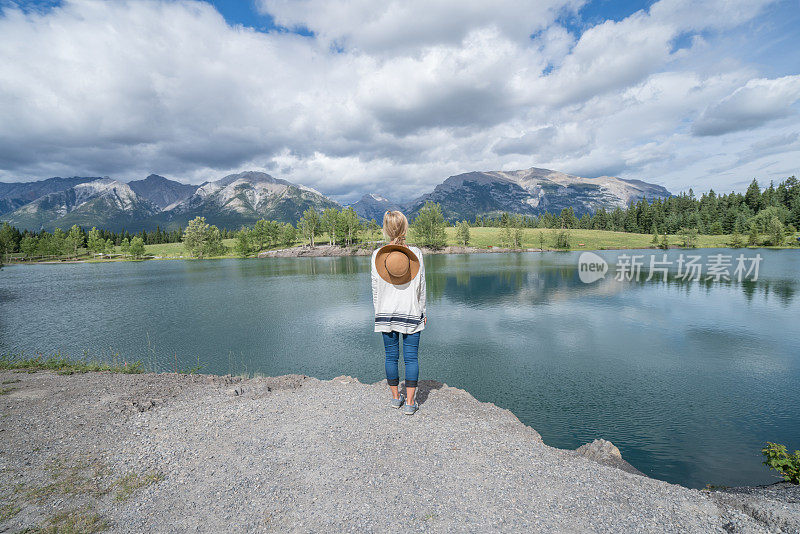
{"x": 756, "y": 103}
{"x": 402, "y": 25}
{"x": 388, "y": 97}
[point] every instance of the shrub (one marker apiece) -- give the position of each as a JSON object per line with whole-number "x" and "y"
{"x": 689, "y": 237}
{"x": 562, "y": 239}
{"x": 243, "y": 246}
{"x": 776, "y": 231}
{"x": 788, "y": 465}
{"x": 752, "y": 238}
{"x": 462, "y": 233}
{"x": 736, "y": 240}
{"x": 201, "y": 239}
{"x": 136, "y": 247}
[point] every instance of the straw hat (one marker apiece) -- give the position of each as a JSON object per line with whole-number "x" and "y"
{"x": 396, "y": 264}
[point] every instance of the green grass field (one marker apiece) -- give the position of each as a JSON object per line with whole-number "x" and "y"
{"x": 176, "y": 250}
{"x": 581, "y": 239}
{"x": 490, "y": 237}
{"x": 486, "y": 237}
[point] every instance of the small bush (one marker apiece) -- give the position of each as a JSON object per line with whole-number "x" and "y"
{"x": 788, "y": 465}
{"x": 562, "y": 239}
{"x": 689, "y": 237}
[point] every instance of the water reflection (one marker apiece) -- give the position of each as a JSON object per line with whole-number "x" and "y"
{"x": 543, "y": 277}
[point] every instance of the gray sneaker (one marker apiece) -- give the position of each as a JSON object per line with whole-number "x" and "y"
{"x": 411, "y": 409}
{"x": 396, "y": 403}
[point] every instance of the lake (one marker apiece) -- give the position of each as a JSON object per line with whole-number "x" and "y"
{"x": 688, "y": 378}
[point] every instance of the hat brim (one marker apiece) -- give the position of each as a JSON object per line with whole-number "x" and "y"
{"x": 380, "y": 264}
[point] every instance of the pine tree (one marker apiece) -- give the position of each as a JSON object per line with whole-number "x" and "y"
{"x": 462, "y": 233}
{"x": 753, "y": 196}
{"x": 736, "y": 239}
{"x": 505, "y": 235}
{"x": 752, "y": 238}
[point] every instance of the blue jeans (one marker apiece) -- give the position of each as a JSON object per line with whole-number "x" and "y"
{"x": 391, "y": 342}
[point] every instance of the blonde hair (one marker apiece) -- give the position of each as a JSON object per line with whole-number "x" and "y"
{"x": 395, "y": 226}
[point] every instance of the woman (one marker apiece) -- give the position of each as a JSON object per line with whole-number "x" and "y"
{"x": 398, "y": 295}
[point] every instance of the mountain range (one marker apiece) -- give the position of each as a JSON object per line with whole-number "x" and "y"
{"x": 243, "y": 198}
{"x": 532, "y": 192}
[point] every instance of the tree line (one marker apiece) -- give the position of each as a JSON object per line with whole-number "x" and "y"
{"x": 710, "y": 214}
{"x": 343, "y": 227}
{"x": 72, "y": 243}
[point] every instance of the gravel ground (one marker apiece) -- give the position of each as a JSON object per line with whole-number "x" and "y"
{"x": 297, "y": 454}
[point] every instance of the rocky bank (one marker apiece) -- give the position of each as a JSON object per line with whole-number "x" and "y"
{"x": 196, "y": 453}
{"x": 335, "y": 250}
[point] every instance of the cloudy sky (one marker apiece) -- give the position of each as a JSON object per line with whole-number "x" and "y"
{"x": 393, "y": 96}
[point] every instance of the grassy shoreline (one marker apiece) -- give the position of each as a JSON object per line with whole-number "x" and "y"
{"x": 64, "y": 365}
{"x": 481, "y": 238}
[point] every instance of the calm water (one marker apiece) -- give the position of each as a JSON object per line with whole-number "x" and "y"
{"x": 688, "y": 379}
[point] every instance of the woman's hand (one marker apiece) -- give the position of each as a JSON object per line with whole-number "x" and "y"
{"x": 425, "y": 321}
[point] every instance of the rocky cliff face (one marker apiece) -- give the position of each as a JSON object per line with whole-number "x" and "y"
{"x": 16, "y": 195}
{"x": 232, "y": 201}
{"x": 246, "y": 197}
{"x": 103, "y": 202}
{"x": 532, "y": 192}
{"x": 161, "y": 192}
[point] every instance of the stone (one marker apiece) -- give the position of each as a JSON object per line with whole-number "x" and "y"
{"x": 604, "y": 452}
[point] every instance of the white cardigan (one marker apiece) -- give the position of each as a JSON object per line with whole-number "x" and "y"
{"x": 399, "y": 308}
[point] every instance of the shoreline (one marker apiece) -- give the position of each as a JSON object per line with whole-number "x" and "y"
{"x": 321, "y": 251}
{"x": 327, "y": 251}
{"x": 297, "y": 453}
